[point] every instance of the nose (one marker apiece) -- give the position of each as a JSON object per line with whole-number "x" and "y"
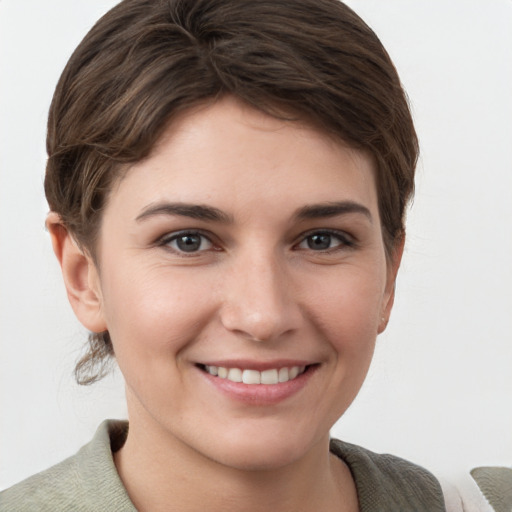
{"x": 258, "y": 299}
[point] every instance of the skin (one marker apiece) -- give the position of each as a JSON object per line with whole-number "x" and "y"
{"x": 255, "y": 290}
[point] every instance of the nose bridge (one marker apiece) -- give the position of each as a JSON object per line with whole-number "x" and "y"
{"x": 258, "y": 303}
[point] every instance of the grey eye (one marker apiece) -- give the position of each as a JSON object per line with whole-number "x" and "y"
{"x": 189, "y": 242}
{"x": 319, "y": 242}
{"x": 325, "y": 240}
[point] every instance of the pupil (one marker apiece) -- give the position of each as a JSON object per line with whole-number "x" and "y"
{"x": 319, "y": 241}
{"x": 189, "y": 243}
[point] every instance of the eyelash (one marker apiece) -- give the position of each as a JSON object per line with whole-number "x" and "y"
{"x": 345, "y": 240}
{"x": 167, "y": 239}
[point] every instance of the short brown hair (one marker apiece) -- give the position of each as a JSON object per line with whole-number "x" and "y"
{"x": 145, "y": 61}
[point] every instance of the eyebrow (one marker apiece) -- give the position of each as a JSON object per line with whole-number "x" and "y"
{"x": 332, "y": 209}
{"x": 193, "y": 211}
{"x": 210, "y": 213}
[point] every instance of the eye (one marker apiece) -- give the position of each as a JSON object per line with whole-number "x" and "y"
{"x": 187, "y": 242}
{"x": 325, "y": 241}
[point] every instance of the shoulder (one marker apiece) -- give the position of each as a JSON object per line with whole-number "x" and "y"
{"x": 496, "y": 485}
{"x": 385, "y": 482}
{"x": 483, "y": 489}
{"x": 49, "y": 490}
{"x": 86, "y": 481}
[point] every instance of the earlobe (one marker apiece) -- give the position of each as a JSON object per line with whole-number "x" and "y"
{"x": 80, "y": 275}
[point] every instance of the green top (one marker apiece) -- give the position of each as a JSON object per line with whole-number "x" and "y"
{"x": 88, "y": 481}
{"x": 496, "y": 485}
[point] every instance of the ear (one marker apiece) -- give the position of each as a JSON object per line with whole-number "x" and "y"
{"x": 389, "y": 293}
{"x": 80, "y": 275}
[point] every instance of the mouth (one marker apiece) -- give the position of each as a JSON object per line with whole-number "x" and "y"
{"x": 258, "y": 383}
{"x": 271, "y": 376}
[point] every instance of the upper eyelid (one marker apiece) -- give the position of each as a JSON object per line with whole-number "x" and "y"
{"x": 172, "y": 235}
{"x": 329, "y": 231}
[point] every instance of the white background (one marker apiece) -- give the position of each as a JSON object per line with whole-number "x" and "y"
{"x": 439, "y": 391}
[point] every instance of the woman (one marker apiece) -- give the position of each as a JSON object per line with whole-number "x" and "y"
{"x": 227, "y": 184}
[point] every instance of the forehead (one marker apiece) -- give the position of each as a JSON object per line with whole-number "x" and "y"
{"x": 231, "y": 153}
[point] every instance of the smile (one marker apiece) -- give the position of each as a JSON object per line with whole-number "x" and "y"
{"x": 268, "y": 377}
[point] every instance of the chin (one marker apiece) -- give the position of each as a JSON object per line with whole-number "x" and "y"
{"x": 264, "y": 451}
{"x": 254, "y": 459}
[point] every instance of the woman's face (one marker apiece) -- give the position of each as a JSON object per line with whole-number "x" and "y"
{"x": 244, "y": 248}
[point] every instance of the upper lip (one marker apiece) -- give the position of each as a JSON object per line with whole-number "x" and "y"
{"x": 248, "y": 364}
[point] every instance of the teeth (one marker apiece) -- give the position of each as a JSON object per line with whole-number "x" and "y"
{"x": 251, "y": 377}
{"x": 235, "y": 374}
{"x": 212, "y": 370}
{"x": 269, "y": 377}
{"x": 294, "y": 371}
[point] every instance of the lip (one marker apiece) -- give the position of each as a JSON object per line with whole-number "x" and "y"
{"x": 259, "y": 394}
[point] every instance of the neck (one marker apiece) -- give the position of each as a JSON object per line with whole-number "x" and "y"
{"x": 158, "y": 470}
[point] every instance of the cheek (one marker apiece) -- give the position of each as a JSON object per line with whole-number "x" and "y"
{"x": 345, "y": 312}
{"x": 348, "y": 309}
{"x": 154, "y": 313}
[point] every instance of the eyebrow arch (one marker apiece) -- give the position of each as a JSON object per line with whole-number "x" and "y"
{"x": 332, "y": 209}
{"x": 193, "y": 211}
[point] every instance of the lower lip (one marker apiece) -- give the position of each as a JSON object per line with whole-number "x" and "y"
{"x": 260, "y": 394}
